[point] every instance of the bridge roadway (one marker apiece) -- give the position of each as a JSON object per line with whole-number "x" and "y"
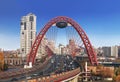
{"x": 23, "y": 73}
{"x": 70, "y": 76}
{"x": 55, "y": 65}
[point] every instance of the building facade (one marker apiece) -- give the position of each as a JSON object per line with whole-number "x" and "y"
{"x": 106, "y": 51}
{"x": 13, "y": 60}
{"x": 118, "y": 51}
{"x": 27, "y": 33}
{"x": 114, "y": 51}
{"x": 110, "y": 51}
{"x": 12, "y": 57}
{"x": 61, "y": 50}
{"x": 41, "y": 50}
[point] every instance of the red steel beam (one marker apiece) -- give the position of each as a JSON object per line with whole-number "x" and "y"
{"x": 90, "y": 51}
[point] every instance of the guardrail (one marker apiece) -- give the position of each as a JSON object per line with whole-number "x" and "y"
{"x": 21, "y": 71}
{"x": 57, "y": 77}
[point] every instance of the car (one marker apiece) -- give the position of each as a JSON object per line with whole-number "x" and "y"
{"x": 28, "y": 77}
{"x": 35, "y": 74}
{"x": 40, "y": 74}
{"x": 14, "y": 79}
{"x": 22, "y": 77}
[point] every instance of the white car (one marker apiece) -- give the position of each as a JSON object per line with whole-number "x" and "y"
{"x": 35, "y": 74}
{"x": 28, "y": 77}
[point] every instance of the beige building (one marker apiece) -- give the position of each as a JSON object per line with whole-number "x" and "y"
{"x": 41, "y": 50}
{"x": 12, "y": 57}
{"x": 13, "y": 60}
{"x": 27, "y": 33}
{"x": 72, "y": 46}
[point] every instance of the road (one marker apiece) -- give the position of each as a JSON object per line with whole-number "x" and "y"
{"x": 57, "y": 64}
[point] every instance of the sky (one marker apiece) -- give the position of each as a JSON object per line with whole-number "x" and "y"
{"x": 100, "y": 19}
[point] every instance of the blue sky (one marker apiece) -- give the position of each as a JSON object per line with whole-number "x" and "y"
{"x": 100, "y": 19}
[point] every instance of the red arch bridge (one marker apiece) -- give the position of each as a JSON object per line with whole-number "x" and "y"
{"x": 58, "y": 22}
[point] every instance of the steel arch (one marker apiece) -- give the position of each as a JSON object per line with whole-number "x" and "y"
{"x": 88, "y": 46}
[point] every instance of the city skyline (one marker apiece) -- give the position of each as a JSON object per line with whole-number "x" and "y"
{"x": 99, "y": 19}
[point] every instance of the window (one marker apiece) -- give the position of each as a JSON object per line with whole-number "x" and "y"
{"x": 22, "y": 33}
{"x": 31, "y": 43}
{"x": 22, "y": 49}
{"x": 31, "y": 26}
{"x": 24, "y": 25}
{"x": 31, "y": 18}
{"x": 31, "y": 35}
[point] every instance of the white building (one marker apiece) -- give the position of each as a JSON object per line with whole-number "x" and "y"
{"x": 27, "y": 33}
{"x": 114, "y": 51}
{"x": 60, "y": 49}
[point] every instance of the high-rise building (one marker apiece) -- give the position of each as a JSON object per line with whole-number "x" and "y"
{"x": 27, "y": 33}
{"x": 106, "y": 51}
{"x": 114, "y": 51}
{"x": 60, "y": 52}
{"x": 51, "y": 45}
{"x": 41, "y": 50}
{"x": 71, "y": 46}
{"x": 119, "y": 51}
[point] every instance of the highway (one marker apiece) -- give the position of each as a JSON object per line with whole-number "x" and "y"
{"x": 57, "y": 64}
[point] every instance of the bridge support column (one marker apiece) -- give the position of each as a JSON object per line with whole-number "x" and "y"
{"x": 74, "y": 80}
{"x": 86, "y": 79}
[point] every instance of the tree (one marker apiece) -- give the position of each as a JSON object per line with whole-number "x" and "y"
{"x": 107, "y": 72}
{"x": 1, "y": 60}
{"x": 117, "y": 71}
{"x": 5, "y": 66}
{"x": 118, "y": 78}
{"x": 43, "y": 58}
{"x": 0, "y": 66}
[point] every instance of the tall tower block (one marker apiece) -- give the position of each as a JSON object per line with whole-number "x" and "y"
{"x": 27, "y": 33}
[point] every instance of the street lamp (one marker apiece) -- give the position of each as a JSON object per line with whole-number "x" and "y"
{"x": 52, "y": 61}
{"x": 65, "y": 66}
